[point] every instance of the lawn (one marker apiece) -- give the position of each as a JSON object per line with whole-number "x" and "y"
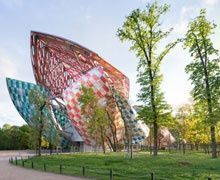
{"x": 165, "y": 166}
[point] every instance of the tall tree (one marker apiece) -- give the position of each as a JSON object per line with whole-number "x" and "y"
{"x": 96, "y": 115}
{"x": 143, "y": 29}
{"x": 39, "y": 120}
{"x": 204, "y": 71}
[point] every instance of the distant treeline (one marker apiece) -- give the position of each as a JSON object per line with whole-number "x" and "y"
{"x": 15, "y": 137}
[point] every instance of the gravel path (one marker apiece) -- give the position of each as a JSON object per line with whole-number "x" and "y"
{"x": 12, "y": 172}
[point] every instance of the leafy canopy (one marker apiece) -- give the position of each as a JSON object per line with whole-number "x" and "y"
{"x": 96, "y": 116}
{"x": 204, "y": 70}
{"x": 142, "y": 28}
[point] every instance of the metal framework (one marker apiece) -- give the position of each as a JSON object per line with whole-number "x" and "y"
{"x": 60, "y": 68}
{"x": 58, "y": 62}
{"x": 56, "y": 115}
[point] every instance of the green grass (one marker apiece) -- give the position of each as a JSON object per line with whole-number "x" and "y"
{"x": 166, "y": 166}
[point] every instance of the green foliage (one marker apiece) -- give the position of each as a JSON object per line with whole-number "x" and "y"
{"x": 38, "y": 134}
{"x": 39, "y": 102}
{"x": 95, "y": 114}
{"x": 204, "y": 70}
{"x": 39, "y": 122}
{"x": 53, "y": 139}
{"x": 6, "y": 126}
{"x": 190, "y": 126}
{"x": 39, "y": 119}
{"x": 21, "y": 138}
{"x": 142, "y": 28}
{"x": 15, "y": 137}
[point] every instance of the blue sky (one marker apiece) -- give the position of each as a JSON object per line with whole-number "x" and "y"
{"x": 92, "y": 24}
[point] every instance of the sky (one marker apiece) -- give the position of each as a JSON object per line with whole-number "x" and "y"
{"x": 93, "y": 24}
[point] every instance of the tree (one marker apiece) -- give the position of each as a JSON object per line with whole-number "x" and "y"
{"x": 96, "y": 116}
{"x": 53, "y": 139}
{"x": 39, "y": 122}
{"x": 15, "y": 137}
{"x": 184, "y": 114}
{"x": 204, "y": 71}
{"x": 5, "y": 141}
{"x": 26, "y": 139}
{"x": 143, "y": 29}
{"x": 190, "y": 126}
{"x": 111, "y": 136}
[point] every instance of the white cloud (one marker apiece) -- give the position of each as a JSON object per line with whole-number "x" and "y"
{"x": 186, "y": 14}
{"x": 211, "y": 2}
{"x": 9, "y": 117}
{"x": 7, "y": 67}
{"x": 8, "y": 113}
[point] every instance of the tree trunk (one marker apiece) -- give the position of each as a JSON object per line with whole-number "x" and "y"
{"x": 209, "y": 101}
{"x": 111, "y": 144}
{"x": 103, "y": 146}
{"x": 103, "y": 140}
{"x": 204, "y": 63}
{"x": 155, "y": 148}
{"x": 213, "y": 142}
{"x": 184, "y": 147}
{"x": 153, "y": 105}
{"x": 150, "y": 142}
{"x": 155, "y": 124}
{"x": 39, "y": 145}
{"x": 212, "y": 127}
{"x": 197, "y": 146}
{"x": 131, "y": 155}
{"x": 191, "y": 147}
{"x": 152, "y": 92}
{"x": 41, "y": 128}
{"x": 114, "y": 133}
{"x": 50, "y": 147}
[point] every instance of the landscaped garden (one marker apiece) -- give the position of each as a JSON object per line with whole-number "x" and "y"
{"x": 192, "y": 165}
{"x": 81, "y": 102}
